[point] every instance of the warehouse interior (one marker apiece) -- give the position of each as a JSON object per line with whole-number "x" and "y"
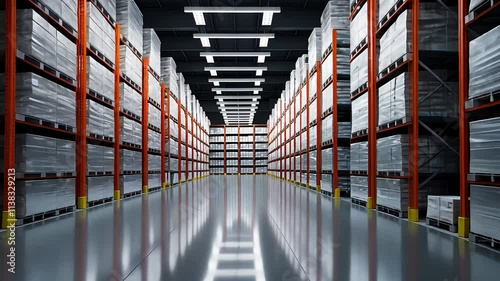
{"x": 250, "y": 140}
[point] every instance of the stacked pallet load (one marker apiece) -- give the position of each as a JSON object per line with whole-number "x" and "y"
{"x": 131, "y": 84}
{"x": 437, "y": 166}
{"x": 171, "y": 80}
{"x": 152, "y": 56}
{"x": 484, "y": 120}
{"x": 335, "y": 110}
{"x": 45, "y": 107}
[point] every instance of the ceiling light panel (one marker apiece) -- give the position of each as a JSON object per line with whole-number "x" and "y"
{"x": 235, "y": 97}
{"x": 238, "y": 102}
{"x": 267, "y": 19}
{"x": 199, "y": 18}
{"x": 261, "y": 56}
{"x": 256, "y": 81}
{"x": 237, "y": 89}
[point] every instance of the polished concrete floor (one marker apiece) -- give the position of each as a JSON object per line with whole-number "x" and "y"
{"x": 240, "y": 228}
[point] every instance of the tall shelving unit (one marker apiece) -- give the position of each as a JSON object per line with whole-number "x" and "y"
{"x": 238, "y": 149}
{"x": 478, "y": 112}
{"x": 79, "y": 192}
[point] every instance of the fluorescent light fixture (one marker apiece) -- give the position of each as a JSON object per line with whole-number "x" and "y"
{"x": 263, "y": 37}
{"x": 255, "y": 102}
{"x": 199, "y": 18}
{"x": 260, "y": 55}
{"x": 254, "y": 99}
{"x": 227, "y": 97}
{"x": 256, "y": 81}
{"x": 263, "y": 42}
{"x": 210, "y": 59}
{"x": 254, "y": 90}
{"x": 268, "y": 12}
{"x": 241, "y": 108}
{"x": 258, "y": 69}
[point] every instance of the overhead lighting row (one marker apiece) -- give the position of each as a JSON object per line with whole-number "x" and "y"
{"x": 235, "y": 111}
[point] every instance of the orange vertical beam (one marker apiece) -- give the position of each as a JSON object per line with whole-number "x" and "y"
{"x": 335, "y": 128}
{"x": 294, "y": 129}
{"x": 145, "y": 123}
{"x": 372, "y": 105}
{"x": 187, "y": 143}
{"x": 116, "y": 145}
{"x": 239, "y": 151}
{"x": 307, "y": 133}
{"x": 318, "y": 126}
{"x": 9, "y": 214}
{"x": 163, "y": 137}
{"x": 167, "y": 132}
{"x": 81, "y": 108}
{"x": 463, "y": 93}
{"x": 179, "y": 145}
{"x": 413, "y": 194}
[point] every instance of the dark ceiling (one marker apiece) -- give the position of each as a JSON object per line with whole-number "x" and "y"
{"x": 291, "y": 27}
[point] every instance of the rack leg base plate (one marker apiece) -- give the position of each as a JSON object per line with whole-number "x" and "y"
{"x": 7, "y": 218}
{"x": 337, "y": 193}
{"x": 117, "y": 195}
{"x": 369, "y": 203}
{"x": 463, "y": 227}
{"x": 82, "y": 202}
{"x": 413, "y": 215}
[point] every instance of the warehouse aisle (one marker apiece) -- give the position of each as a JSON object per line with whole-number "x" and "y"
{"x": 241, "y": 228}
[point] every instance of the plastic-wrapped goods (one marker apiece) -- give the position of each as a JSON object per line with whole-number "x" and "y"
{"x": 359, "y": 71}
{"x": 130, "y": 161}
{"x": 343, "y": 65}
{"x": 312, "y": 180}
{"x": 326, "y": 129}
{"x": 154, "y": 180}
{"x": 152, "y": 49}
{"x": 130, "y": 131}
{"x": 384, "y": 7}
{"x": 313, "y": 109}
{"x": 326, "y": 35}
{"x": 261, "y": 130}
{"x": 175, "y": 178}
{"x": 359, "y": 156}
{"x": 154, "y": 89}
{"x": 40, "y": 196}
{"x": 312, "y": 136}
{"x": 130, "y": 100}
{"x": 344, "y": 158}
{"x": 344, "y": 129}
{"x": 100, "y": 119}
{"x": 485, "y": 146}
{"x": 392, "y": 193}
{"x": 35, "y": 36}
{"x": 359, "y": 188}
{"x": 313, "y": 158}
{"x": 129, "y": 16}
{"x": 449, "y": 209}
{"x": 313, "y": 87}
{"x": 393, "y": 155}
{"x": 395, "y": 100}
{"x": 326, "y": 159}
{"x": 169, "y": 75}
{"x": 326, "y": 182}
{"x": 154, "y": 140}
{"x": 41, "y": 98}
{"x": 130, "y": 65}
{"x": 100, "y": 79}
{"x": 246, "y": 130}
{"x": 359, "y": 27}
{"x": 174, "y": 129}
{"x": 303, "y": 178}
{"x": 65, "y": 55}
{"x": 66, "y": 9}
{"x": 484, "y": 63}
{"x": 302, "y": 71}
{"x": 173, "y": 164}
{"x": 174, "y": 108}
{"x": 433, "y": 207}
{"x": 100, "y": 159}
{"x": 485, "y": 210}
{"x": 100, "y": 34}
{"x": 154, "y": 116}
{"x": 437, "y": 32}
{"x": 360, "y": 113}
{"x": 314, "y": 50}
{"x": 38, "y": 154}
{"x": 131, "y": 183}
{"x": 99, "y": 188}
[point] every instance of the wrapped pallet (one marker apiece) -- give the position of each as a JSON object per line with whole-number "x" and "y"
{"x": 154, "y": 163}
{"x": 130, "y": 65}
{"x": 130, "y": 131}
{"x": 41, "y": 155}
{"x": 433, "y": 208}
{"x": 100, "y": 79}
{"x": 130, "y": 100}
{"x": 485, "y": 146}
{"x": 130, "y": 18}
{"x": 343, "y": 65}
{"x": 154, "y": 89}
{"x": 100, "y": 120}
{"x": 484, "y": 211}
{"x": 359, "y": 71}
{"x": 359, "y": 188}
{"x": 154, "y": 116}
{"x": 360, "y": 113}
{"x": 130, "y": 161}
{"x": 359, "y": 27}
{"x": 40, "y": 196}
{"x": 152, "y": 49}
{"x": 100, "y": 159}
{"x": 334, "y": 16}
{"x": 65, "y": 9}
{"x": 65, "y": 106}
{"x": 99, "y": 188}
{"x": 154, "y": 140}
{"x": 131, "y": 183}
{"x": 359, "y": 156}
{"x": 169, "y": 75}
{"x": 65, "y": 55}
{"x": 326, "y": 182}
{"x": 314, "y": 49}
{"x": 327, "y": 159}
{"x": 100, "y": 34}
{"x": 484, "y": 63}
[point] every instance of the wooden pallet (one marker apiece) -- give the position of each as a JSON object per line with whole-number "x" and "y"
{"x": 100, "y": 55}
{"x": 484, "y": 177}
{"x": 358, "y": 202}
{"x": 360, "y": 45}
{"x": 127, "y": 42}
{"x": 55, "y": 17}
{"x": 42, "y": 122}
{"x": 48, "y": 68}
{"x": 481, "y": 239}
{"x": 105, "y": 13}
{"x": 100, "y": 97}
{"x": 392, "y": 212}
{"x": 100, "y": 202}
{"x": 100, "y": 137}
{"x": 90, "y": 174}
{"x": 393, "y": 65}
{"x": 132, "y": 194}
{"x": 442, "y": 224}
{"x": 45, "y": 215}
{"x": 390, "y": 13}
{"x": 359, "y": 90}
{"x": 394, "y": 123}
{"x": 44, "y": 175}
{"x": 483, "y": 99}
{"x": 128, "y": 112}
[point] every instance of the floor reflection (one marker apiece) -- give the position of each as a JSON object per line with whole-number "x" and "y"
{"x": 240, "y": 228}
